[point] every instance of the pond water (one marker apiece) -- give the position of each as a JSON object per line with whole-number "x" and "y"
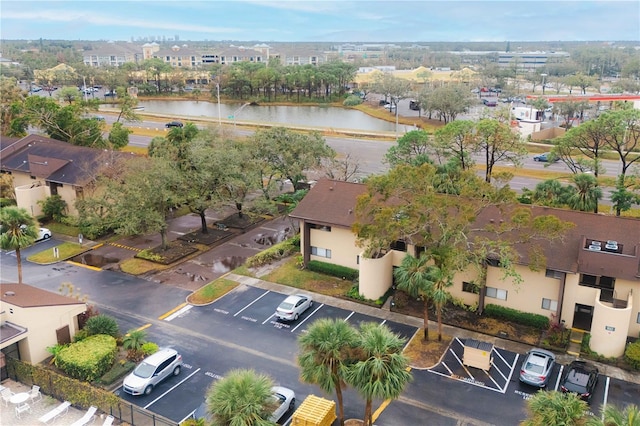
{"x": 313, "y": 116}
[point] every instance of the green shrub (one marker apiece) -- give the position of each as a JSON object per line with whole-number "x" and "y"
{"x": 333, "y": 270}
{"x": 53, "y": 207}
{"x": 352, "y": 100}
{"x": 88, "y": 359}
{"x": 6, "y": 202}
{"x": 116, "y": 372}
{"x": 632, "y": 355}
{"x": 80, "y": 335}
{"x": 102, "y": 324}
{"x": 149, "y": 348}
{"x": 275, "y": 253}
{"x": 525, "y": 318}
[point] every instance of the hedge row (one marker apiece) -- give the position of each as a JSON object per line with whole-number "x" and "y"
{"x": 80, "y": 394}
{"x": 275, "y": 253}
{"x": 540, "y": 322}
{"x": 333, "y": 270}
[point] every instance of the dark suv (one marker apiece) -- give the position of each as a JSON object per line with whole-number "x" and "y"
{"x": 173, "y": 124}
{"x": 580, "y": 378}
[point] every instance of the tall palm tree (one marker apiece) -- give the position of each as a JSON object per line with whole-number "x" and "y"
{"x": 242, "y": 398}
{"x": 614, "y": 416}
{"x": 587, "y": 193}
{"x": 324, "y": 351}
{"x": 414, "y": 275}
{"x": 17, "y": 230}
{"x": 381, "y": 371}
{"x": 555, "y": 408}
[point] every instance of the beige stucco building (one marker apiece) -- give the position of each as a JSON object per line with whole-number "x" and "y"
{"x": 41, "y": 167}
{"x": 591, "y": 280}
{"x": 32, "y": 319}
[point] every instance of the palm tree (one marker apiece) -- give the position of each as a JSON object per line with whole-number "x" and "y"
{"x": 415, "y": 277}
{"x": 614, "y": 416}
{"x": 382, "y": 369}
{"x": 555, "y": 408}
{"x": 133, "y": 341}
{"x": 242, "y": 398}
{"x": 324, "y": 351}
{"x": 587, "y": 193}
{"x": 17, "y": 230}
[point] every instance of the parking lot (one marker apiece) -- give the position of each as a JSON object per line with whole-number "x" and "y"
{"x": 246, "y": 335}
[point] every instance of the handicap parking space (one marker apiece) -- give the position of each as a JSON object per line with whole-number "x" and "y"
{"x": 497, "y": 378}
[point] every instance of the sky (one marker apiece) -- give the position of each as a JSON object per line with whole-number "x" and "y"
{"x": 322, "y": 20}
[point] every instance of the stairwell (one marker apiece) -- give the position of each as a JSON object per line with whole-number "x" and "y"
{"x": 575, "y": 342}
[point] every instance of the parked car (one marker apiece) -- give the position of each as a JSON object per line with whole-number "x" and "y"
{"x": 293, "y": 306}
{"x": 544, "y": 157}
{"x": 284, "y": 399}
{"x": 173, "y": 124}
{"x": 110, "y": 93}
{"x": 580, "y": 378}
{"x": 152, "y": 370}
{"x": 537, "y": 366}
{"x": 489, "y": 102}
{"x": 43, "y": 234}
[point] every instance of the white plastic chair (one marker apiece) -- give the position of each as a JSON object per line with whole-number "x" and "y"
{"x": 34, "y": 393}
{"x": 23, "y": 408}
{"x": 108, "y": 421}
{"x": 6, "y": 396}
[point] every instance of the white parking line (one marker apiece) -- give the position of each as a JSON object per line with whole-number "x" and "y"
{"x": 302, "y": 322}
{"x": 489, "y": 376}
{"x": 172, "y": 388}
{"x": 559, "y": 377}
{"x": 179, "y": 312}
{"x": 513, "y": 367}
{"x": 265, "y": 321}
{"x": 347, "y": 318}
{"x": 254, "y": 301}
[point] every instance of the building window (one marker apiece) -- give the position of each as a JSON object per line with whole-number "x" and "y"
{"x": 550, "y": 273}
{"x": 638, "y": 319}
{"x": 549, "y": 305}
{"x": 470, "y": 287}
{"x": 320, "y": 227}
{"x": 399, "y": 246}
{"x": 322, "y": 252}
{"x": 496, "y": 293}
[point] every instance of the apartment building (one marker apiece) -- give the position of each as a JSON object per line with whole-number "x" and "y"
{"x": 591, "y": 280}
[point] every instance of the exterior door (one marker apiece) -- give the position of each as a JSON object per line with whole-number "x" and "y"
{"x": 582, "y": 317}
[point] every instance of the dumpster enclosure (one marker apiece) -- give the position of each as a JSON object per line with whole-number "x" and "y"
{"x": 477, "y": 354}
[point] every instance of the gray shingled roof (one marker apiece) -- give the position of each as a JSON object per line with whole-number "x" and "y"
{"x": 332, "y": 203}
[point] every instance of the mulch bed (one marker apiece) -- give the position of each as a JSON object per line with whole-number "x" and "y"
{"x": 458, "y": 317}
{"x": 211, "y": 237}
{"x": 176, "y": 251}
{"x": 240, "y": 222}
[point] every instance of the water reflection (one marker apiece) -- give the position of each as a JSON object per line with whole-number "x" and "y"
{"x": 227, "y": 264}
{"x": 314, "y": 116}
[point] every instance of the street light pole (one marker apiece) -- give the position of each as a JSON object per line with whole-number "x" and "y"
{"x": 543, "y": 76}
{"x": 218, "y": 95}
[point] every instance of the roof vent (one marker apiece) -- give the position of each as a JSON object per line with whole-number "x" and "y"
{"x": 9, "y": 293}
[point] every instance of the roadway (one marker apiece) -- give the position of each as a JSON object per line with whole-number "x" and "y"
{"x": 369, "y": 155}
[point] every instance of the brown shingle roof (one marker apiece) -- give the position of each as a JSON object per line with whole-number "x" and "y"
{"x": 26, "y": 296}
{"x": 332, "y": 203}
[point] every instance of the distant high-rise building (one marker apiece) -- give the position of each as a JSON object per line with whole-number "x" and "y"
{"x": 176, "y": 37}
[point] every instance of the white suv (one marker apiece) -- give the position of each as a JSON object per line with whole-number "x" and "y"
{"x": 154, "y": 369}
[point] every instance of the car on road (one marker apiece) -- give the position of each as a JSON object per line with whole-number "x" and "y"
{"x": 166, "y": 362}
{"x": 110, "y": 93}
{"x": 580, "y": 378}
{"x": 293, "y": 306}
{"x": 537, "y": 366}
{"x": 284, "y": 400}
{"x": 173, "y": 124}
{"x": 544, "y": 157}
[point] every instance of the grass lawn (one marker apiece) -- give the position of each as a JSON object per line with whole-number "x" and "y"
{"x": 212, "y": 291}
{"x": 289, "y": 274}
{"x": 65, "y": 250}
